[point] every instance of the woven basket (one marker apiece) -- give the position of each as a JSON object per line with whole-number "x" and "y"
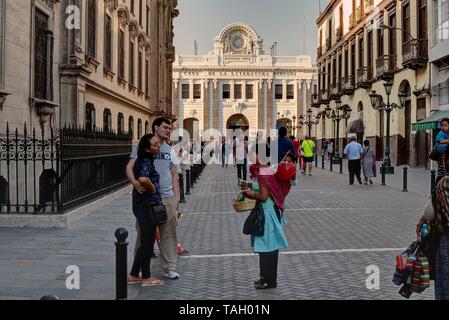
{"x": 243, "y": 206}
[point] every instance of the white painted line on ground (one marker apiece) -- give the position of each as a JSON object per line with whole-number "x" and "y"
{"x": 235, "y": 255}
{"x": 302, "y": 209}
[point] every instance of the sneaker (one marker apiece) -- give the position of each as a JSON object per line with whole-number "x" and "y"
{"x": 172, "y": 275}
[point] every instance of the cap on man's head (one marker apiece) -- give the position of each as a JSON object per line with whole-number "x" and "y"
{"x": 353, "y": 138}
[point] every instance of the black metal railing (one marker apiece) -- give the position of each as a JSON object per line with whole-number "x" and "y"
{"x": 347, "y": 85}
{"x": 50, "y": 172}
{"x": 386, "y": 67}
{"x": 364, "y": 77}
{"x": 415, "y": 53}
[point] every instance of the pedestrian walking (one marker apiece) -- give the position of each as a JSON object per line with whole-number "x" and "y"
{"x": 270, "y": 194}
{"x": 330, "y": 150}
{"x": 225, "y": 152}
{"x": 354, "y": 152}
{"x": 308, "y": 147}
{"x": 441, "y": 141}
{"x": 145, "y": 172}
{"x": 241, "y": 151}
{"x": 324, "y": 149}
{"x": 368, "y": 162}
{"x": 437, "y": 216}
{"x": 284, "y": 144}
{"x": 296, "y": 146}
{"x": 165, "y": 164}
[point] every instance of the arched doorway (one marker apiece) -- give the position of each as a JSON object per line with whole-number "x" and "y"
{"x": 287, "y": 123}
{"x": 404, "y": 147}
{"x": 236, "y": 122}
{"x": 192, "y": 126}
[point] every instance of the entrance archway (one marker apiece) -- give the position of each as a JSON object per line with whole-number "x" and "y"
{"x": 192, "y": 126}
{"x": 236, "y": 122}
{"x": 287, "y": 123}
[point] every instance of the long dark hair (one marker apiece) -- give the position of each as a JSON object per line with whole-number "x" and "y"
{"x": 144, "y": 143}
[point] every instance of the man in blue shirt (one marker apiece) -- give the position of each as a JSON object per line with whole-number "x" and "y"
{"x": 354, "y": 152}
{"x": 285, "y": 145}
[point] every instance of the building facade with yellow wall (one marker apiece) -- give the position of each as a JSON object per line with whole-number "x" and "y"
{"x": 361, "y": 45}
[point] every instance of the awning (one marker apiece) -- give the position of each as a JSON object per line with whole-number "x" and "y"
{"x": 432, "y": 122}
{"x": 356, "y": 126}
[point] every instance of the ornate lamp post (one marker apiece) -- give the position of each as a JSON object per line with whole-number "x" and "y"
{"x": 340, "y": 113}
{"x": 388, "y": 107}
{"x": 309, "y": 122}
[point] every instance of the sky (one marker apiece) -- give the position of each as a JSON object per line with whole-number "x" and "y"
{"x": 283, "y": 21}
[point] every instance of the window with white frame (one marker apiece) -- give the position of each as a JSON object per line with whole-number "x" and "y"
{"x": 238, "y": 91}
{"x": 441, "y": 17}
{"x": 43, "y": 57}
{"x": 290, "y": 92}
{"x": 185, "y": 91}
{"x": 197, "y": 91}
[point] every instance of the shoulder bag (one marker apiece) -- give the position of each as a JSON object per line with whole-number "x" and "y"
{"x": 255, "y": 223}
{"x": 158, "y": 213}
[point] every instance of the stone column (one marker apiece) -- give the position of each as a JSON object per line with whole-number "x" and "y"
{"x": 271, "y": 109}
{"x": 220, "y": 108}
{"x": 206, "y": 103}
{"x": 215, "y": 103}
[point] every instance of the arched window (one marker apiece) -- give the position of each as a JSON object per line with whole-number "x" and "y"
{"x": 89, "y": 120}
{"x": 107, "y": 120}
{"x": 147, "y": 127}
{"x": 139, "y": 129}
{"x": 360, "y": 110}
{"x": 120, "y": 123}
{"x": 131, "y": 126}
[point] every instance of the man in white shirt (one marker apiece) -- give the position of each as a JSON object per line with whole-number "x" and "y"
{"x": 354, "y": 152}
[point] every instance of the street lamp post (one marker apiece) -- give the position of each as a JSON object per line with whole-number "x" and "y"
{"x": 341, "y": 112}
{"x": 309, "y": 122}
{"x": 387, "y": 107}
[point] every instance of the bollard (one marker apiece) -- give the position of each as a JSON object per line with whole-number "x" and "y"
{"x": 332, "y": 164}
{"x": 383, "y": 174}
{"x": 316, "y": 160}
{"x": 188, "y": 181}
{"x": 181, "y": 189}
{"x": 404, "y": 189}
{"x": 341, "y": 165}
{"x": 432, "y": 182}
{"x": 121, "y": 264}
{"x": 322, "y": 162}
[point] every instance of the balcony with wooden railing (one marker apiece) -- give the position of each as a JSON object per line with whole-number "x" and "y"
{"x": 339, "y": 33}
{"x": 347, "y": 85}
{"x": 365, "y": 77}
{"x": 386, "y": 67}
{"x": 415, "y": 54}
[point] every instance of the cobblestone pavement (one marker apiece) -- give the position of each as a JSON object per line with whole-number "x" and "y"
{"x": 335, "y": 232}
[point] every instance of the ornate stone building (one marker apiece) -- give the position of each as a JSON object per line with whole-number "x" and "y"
{"x": 239, "y": 85}
{"x": 103, "y": 63}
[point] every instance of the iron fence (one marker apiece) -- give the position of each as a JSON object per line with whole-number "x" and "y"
{"x": 48, "y": 173}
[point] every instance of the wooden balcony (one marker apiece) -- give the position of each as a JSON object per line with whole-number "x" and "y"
{"x": 347, "y": 85}
{"x": 339, "y": 33}
{"x": 365, "y": 77}
{"x": 415, "y": 54}
{"x": 386, "y": 67}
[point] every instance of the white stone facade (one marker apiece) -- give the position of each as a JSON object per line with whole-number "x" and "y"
{"x": 239, "y": 64}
